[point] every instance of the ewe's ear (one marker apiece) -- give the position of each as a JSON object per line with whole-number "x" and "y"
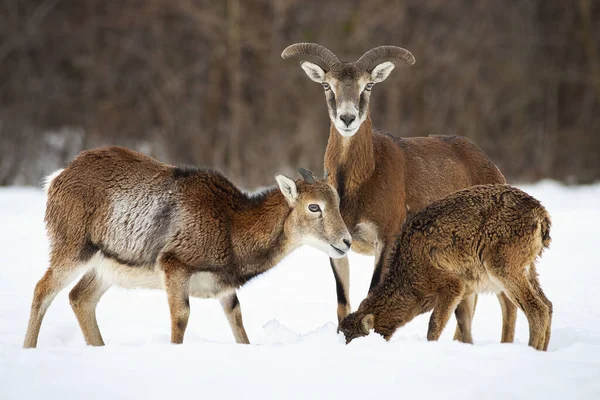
{"x": 288, "y": 188}
{"x": 382, "y": 71}
{"x": 367, "y": 323}
{"x": 313, "y": 71}
{"x": 308, "y": 176}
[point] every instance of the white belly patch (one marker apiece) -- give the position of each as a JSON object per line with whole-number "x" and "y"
{"x": 488, "y": 284}
{"x": 202, "y": 284}
{"x": 206, "y": 285}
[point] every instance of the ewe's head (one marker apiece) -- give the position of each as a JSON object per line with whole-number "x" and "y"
{"x": 315, "y": 218}
{"x": 348, "y": 84}
{"x": 356, "y": 325}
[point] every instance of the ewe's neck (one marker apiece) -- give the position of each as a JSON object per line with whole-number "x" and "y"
{"x": 258, "y": 231}
{"x": 350, "y": 160}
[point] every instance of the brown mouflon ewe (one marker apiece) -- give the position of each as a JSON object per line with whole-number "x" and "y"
{"x": 481, "y": 239}
{"x": 123, "y": 218}
{"x": 380, "y": 177}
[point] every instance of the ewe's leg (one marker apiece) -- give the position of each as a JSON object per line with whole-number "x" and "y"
{"x": 60, "y": 273}
{"x": 509, "y": 318}
{"x": 535, "y": 284}
{"x": 231, "y": 307}
{"x": 177, "y": 284}
{"x": 448, "y": 300}
{"x": 84, "y": 298}
{"x": 341, "y": 273}
{"x": 464, "y": 318}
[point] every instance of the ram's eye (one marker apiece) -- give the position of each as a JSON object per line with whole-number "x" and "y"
{"x": 325, "y": 85}
{"x": 369, "y": 86}
{"x": 314, "y": 207}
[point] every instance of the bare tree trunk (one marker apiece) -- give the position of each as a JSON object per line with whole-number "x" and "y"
{"x": 585, "y": 10}
{"x": 235, "y": 88}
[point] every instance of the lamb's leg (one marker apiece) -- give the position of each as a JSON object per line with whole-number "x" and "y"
{"x": 537, "y": 312}
{"x": 177, "y": 284}
{"x": 341, "y": 273}
{"x": 231, "y": 307}
{"x": 61, "y": 272}
{"x": 509, "y": 318}
{"x": 448, "y": 300}
{"x": 535, "y": 284}
{"x": 84, "y": 298}
{"x": 464, "y": 318}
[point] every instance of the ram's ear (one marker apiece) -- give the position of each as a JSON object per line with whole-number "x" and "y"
{"x": 313, "y": 71}
{"x": 382, "y": 71}
{"x": 367, "y": 323}
{"x": 288, "y": 188}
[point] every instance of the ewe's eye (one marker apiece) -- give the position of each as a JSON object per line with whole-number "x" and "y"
{"x": 369, "y": 86}
{"x": 314, "y": 208}
{"x": 325, "y": 85}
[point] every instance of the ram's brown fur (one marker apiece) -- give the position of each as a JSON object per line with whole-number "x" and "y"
{"x": 123, "y": 218}
{"x": 481, "y": 239}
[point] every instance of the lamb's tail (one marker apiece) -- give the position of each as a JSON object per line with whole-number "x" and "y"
{"x": 545, "y": 224}
{"x": 50, "y": 178}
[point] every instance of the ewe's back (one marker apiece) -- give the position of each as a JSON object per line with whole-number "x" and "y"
{"x": 129, "y": 205}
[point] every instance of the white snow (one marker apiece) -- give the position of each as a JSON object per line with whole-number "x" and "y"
{"x": 289, "y": 314}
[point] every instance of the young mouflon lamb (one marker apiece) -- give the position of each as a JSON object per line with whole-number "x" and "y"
{"x": 482, "y": 239}
{"x": 122, "y": 218}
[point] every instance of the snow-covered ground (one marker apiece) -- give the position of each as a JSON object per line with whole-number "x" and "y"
{"x": 289, "y": 314}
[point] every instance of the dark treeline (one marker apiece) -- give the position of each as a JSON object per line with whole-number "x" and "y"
{"x": 202, "y": 82}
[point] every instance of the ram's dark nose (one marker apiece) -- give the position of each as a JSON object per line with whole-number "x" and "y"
{"x": 348, "y": 242}
{"x": 347, "y": 118}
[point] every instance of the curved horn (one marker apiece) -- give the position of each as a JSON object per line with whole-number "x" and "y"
{"x": 377, "y": 53}
{"x": 308, "y": 176}
{"x": 311, "y": 49}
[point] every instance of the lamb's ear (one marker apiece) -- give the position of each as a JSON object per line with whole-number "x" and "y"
{"x": 367, "y": 323}
{"x": 313, "y": 71}
{"x": 382, "y": 71}
{"x": 288, "y": 188}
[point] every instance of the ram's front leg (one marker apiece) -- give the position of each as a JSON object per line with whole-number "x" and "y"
{"x": 381, "y": 262}
{"x": 341, "y": 273}
{"x": 231, "y": 307}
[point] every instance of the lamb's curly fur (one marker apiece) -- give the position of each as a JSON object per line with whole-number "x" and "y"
{"x": 482, "y": 239}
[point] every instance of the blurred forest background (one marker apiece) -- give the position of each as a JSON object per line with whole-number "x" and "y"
{"x": 202, "y": 81}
